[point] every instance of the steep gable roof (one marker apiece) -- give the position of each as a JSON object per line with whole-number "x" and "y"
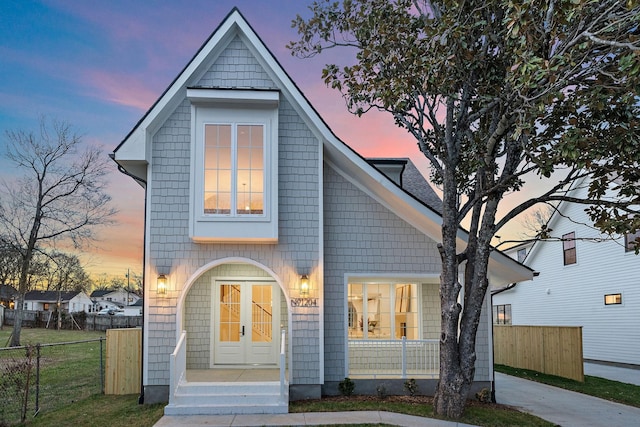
{"x": 134, "y": 152}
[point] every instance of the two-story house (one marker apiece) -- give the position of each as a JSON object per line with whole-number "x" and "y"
{"x": 278, "y": 261}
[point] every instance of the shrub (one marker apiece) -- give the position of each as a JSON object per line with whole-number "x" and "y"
{"x": 381, "y": 389}
{"x": 411, "y": 386}
{"x": 484, "y": 395}
{"x": 346, "y": 387}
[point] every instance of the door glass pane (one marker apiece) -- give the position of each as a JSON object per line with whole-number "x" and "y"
{"x": 230, "y": 311}
{"x": 261, "y": 313}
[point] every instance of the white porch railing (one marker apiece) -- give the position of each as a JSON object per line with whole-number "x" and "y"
{"x": 394, "y": 358}
{"x": 282, "y": 364}
{"x": 177, "y": 365}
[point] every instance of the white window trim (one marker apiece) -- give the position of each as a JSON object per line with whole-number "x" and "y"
{"x": 213, "y": 106}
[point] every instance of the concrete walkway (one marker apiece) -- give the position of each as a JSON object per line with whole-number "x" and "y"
{"x": 307, "y": 419}
{"x": 563, "y": 407}
{"x": 615, "y": 373}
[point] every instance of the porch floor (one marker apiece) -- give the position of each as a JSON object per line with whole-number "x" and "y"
{"x": 233, "y": 375}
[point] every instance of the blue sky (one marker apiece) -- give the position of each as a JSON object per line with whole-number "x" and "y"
{"x": 101, "y": 64}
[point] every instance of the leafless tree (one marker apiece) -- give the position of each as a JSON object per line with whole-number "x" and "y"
{"x": 59, "y": 195}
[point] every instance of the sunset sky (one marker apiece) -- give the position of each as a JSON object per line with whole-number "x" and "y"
{"x": 101, "y": 64}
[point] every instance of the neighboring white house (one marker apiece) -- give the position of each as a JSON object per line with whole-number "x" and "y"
{"x": 134, "y": 309}
{"x": 113, "y": 298}
{"x": 259, "y": 219}
{"x": 582, "y": 282}
{"x": 47, "y": 301}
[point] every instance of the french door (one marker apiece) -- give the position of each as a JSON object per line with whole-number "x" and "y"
{"x": 246, "y": 319}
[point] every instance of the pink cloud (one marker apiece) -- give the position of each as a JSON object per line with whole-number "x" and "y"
{"x": 121, "y": 89}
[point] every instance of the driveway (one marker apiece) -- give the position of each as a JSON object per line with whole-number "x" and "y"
{"x": 563, "y": 407}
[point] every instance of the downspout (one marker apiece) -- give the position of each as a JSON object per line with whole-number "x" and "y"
{"x": 144, "y": 258}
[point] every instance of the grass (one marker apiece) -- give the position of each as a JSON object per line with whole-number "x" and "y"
{"x": 489, "y": 415}
{"x": 68, "y": 373}
{"x": 32, "y": 336}
{"x": 102, "y": 411}
{"x": 627, "y": 394}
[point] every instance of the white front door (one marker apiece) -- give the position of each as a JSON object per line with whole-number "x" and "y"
{"x": 246, "y": 323}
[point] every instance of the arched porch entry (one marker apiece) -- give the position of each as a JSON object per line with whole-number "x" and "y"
{"x": 233, "y": 311}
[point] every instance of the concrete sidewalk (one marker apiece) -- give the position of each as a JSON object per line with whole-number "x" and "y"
{"x": 563, "y": 407}
{"x": 306, "y": 419}
{"x": 610, "y": 372}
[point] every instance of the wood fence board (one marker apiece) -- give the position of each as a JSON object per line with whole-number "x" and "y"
{"x": 123, "y": 361}
{"x": 554, "y": 350}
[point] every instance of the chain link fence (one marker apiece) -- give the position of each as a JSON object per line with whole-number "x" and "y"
{"x": 45, "y": 377}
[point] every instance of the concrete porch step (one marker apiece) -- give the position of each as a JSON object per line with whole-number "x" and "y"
{"x": 198, "y": 398}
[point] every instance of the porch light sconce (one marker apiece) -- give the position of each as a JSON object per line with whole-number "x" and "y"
{"x": 304, "y": 300}
{"x": 162, "y": 285}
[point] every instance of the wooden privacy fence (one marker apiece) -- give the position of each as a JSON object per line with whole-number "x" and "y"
{"x": 122, "y": 370}
{"x": 554, "y": 350}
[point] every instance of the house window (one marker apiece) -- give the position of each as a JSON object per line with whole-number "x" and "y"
{"x": 631, "y": 240}
{"x": 569, "y": 248}
{"x": 383, "y": 311}
{"x": 612, "y": 299}
{"x": 234, "y": 169}
{"x": 502, "y": 314}
{"x": 522, "y": 254}
{"x": 45, "y": 306}
{"x": 234, "y": 166}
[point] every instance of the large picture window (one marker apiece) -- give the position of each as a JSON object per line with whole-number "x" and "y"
{"x": 234, "y": 169}
{"x": 383, "y": 311}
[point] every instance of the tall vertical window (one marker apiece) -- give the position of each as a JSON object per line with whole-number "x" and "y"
{"x": 569, "y": 248}
{"x": 233, "y": 184}
{"x": 631, "y": 240}
{"x": 234, "y": 169}
{"x": 522, "y": 254}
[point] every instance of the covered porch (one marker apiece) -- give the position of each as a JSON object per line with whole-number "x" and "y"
{"x": 231, "y": 355}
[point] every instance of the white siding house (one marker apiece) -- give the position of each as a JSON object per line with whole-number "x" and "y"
{"x": 260, "y": 220}
{"x": 47, "y": 301}
{"x": 592, "y": 282}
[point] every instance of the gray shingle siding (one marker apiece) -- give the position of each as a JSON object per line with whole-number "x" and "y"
{"x": 362, "y": 236}
{"x": 171, "y": 249}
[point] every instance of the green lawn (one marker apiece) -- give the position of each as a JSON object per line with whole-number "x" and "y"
{"x": 489, "y": 415}
{"x": 615, "y": 391}
{"x": 102, "y": 411}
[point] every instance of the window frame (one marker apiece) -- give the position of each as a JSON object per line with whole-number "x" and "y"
{"x": 218, "y": 106}
{"x": 496, "y": 312}
{"x": 234, "y": 212}
{"x": 630, "y": 238}
{"x": 392, "y": 301}
{"x": 569, "y": 247}
{"x": 615, "y": 302}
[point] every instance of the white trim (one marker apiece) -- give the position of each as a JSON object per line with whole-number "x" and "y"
{"x": 205, "y": 228}
{"x": 320, "y": 274}
{"x": 229, "y": 260}
{"x": 269, "y": 98}
{"x": 215, "y": 304}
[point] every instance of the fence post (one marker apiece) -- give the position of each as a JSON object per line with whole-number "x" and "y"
{"x": 404, "y": 357}
{"x": 37, "y": 380}
{"x": 101, "y": 368}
